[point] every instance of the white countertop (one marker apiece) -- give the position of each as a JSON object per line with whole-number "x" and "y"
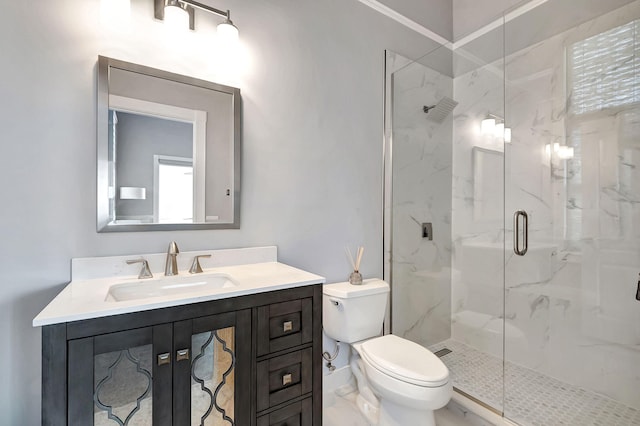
{"x": 87, "y": 298}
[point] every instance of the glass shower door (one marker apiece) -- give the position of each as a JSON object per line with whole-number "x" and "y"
{"x": 446, "y": 210}
{"x": 572, "y": 321}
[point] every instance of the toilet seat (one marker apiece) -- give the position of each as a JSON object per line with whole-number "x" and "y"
{"x": 405, "y": 360}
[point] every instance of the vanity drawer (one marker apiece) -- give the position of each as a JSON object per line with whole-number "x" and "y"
{"x": 284, "y": 377}
{"x": 297, "y": 414}
{"x": 284, "y": 325}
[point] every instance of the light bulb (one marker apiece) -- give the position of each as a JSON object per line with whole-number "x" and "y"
{"x": 499, "y": 130}
{"x": 487, "y": 127}
{"x": 176, "y": 17}
{"x": 227, "y": 32}
{"x": 565, "y": 152}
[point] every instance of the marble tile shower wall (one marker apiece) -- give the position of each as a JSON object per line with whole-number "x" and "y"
{"x": 569, "y": 304}
{"x": 422, "y": 152}
{"x": 476, "y": 281}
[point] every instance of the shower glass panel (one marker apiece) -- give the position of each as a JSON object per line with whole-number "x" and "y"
{"x": 572, "y": 328}
{"x": 545, "y": 122}
{"x": 421, "y": 188}
{"x": 446, "y": 210}
{"x": 477, "y": 282}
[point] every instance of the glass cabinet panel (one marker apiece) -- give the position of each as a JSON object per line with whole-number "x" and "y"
{"x": 123, "y": 387}
{"x": 176, "y": 373}
{"x": 212, "y": 377}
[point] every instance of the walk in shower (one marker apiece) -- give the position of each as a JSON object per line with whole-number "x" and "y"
{"x": 512, "y": 230}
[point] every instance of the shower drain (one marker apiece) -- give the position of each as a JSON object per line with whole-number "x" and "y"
{"x": 442, "y": 352}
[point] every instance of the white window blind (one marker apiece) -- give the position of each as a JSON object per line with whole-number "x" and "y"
{"x": 604, "y": 70}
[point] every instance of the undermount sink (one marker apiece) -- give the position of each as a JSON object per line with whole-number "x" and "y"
{"x": 169, "y": 286}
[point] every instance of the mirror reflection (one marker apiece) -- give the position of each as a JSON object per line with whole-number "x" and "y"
{"x": 168, "y": 150}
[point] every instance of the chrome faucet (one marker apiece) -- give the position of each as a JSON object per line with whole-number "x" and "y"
{"x": 171, "y": 266}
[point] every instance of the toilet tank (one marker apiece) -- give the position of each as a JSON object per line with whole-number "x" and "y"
{"x": 351, "y": 313}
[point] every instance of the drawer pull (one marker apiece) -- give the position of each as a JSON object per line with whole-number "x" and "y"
{"x": 287, "y": 326}
{"x": 286, "y": 379}
{"x": 164, "y": 358}
{"x": 182, "y": 354}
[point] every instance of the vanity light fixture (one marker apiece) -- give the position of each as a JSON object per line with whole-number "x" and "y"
{"x": 563, "y": 152}
{"x": 547, "y": 148}
{"x": 493, "y": 125}
{"x": 488, "y": 126}
{"x": 176, "y": 15}
{"x": 180, "y": 13}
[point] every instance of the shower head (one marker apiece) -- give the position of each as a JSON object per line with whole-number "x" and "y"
{"x": 438, "y": 112}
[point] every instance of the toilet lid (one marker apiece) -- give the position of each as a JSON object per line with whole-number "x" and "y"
{"x": 405, "y": 360}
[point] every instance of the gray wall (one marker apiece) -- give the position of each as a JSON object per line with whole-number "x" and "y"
{"x": 138, "y": 139}
{"x": 312, "y": 149}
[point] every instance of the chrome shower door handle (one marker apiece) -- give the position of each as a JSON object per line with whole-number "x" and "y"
{"x": 516, "y": 232}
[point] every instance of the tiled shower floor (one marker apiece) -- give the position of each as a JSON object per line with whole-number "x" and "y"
{"x": 532, "y": 399}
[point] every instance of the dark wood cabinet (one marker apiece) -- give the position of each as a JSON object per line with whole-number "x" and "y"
{"x": 284, "y": 377}
{"x": 251, "y": 360}
{"x": 284, "y": 325}
{"x": 297, "y": 414}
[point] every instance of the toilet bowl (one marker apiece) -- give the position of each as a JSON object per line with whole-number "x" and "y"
{"x": 400, "y": 382}
{"x": 409, "y": 380}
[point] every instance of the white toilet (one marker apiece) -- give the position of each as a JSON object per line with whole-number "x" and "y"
{"x": 400, "y": 383}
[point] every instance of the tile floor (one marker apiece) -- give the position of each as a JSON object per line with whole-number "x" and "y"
{"x": 340, "y": 410}
{"x": 533, "y": 399}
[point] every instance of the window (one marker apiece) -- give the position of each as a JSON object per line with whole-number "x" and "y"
{"x": 604, "y": 70}
{"x": 174, "y": 189}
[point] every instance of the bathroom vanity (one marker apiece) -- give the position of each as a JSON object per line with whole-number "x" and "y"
{"x": 239, "y": 344}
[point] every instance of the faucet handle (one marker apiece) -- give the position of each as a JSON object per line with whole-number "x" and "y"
{"x": 195, "y": 266}
{"x": 145, "y": 272}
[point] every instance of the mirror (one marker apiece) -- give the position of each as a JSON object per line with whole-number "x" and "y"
{"x": 168, "y": 150}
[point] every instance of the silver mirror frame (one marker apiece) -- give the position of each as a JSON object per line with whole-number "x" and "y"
{"x": 103, "y": 215}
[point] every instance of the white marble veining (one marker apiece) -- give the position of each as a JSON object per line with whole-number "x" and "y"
{"x": 568, "y": 305}
{"x": 87, "y": 298}
{"x": 421, "y": 188}
{"x": 477, "y": 258}
{"x": 566, "y": 310}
